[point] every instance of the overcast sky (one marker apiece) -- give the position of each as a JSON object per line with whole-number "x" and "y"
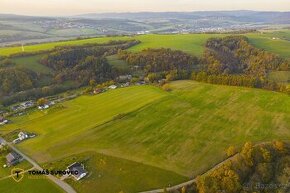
{"x": 74, "y": 7}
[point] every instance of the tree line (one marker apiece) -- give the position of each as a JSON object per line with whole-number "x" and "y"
{"x": 261, "y": 168}
{"x": 160, "y": 60}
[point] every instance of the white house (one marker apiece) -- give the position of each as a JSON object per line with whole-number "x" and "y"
{"x": 112, "y": 87}
{"x": 22, "y": 135}
{"x": 43, "y": 107}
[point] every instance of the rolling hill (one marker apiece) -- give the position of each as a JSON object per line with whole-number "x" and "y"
{"x": 189, "y": 43}
{"x": 185, "y": 131}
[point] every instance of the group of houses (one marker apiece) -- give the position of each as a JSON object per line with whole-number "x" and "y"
{"x": 23, "y": 106}
{"x": 30, "y": 104}
{"x": 23, "y": 136}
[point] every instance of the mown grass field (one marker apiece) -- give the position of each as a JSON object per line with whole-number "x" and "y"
{"x": 7, "y": 171}
{"x": 28, "y": 185}
{"x": 265, "y": 41}
{"x": 32, "y": 63}
{"x": 118, "y": 64}
{"x": 185, "y": 131}
{"x": 111, "y": 175}
{"x": 70, "y": 119}
{"x": 189, "y": 43}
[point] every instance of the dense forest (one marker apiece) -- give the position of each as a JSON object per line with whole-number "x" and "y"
{"x": 234, "y": 55}
{"x": 81, "y": 65}
{"x": 231, "y": 60}
{"x": 72, "y": 66}
{"x": 15, "y": 79}
{"x": 261, "y": 168}
{"x": 160, "y": 60}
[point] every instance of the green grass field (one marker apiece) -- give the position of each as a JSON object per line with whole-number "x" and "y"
{"x": 32, "y": 63}
{"x": 277, "y": 46}
{"x": 189, "y": 43}
{"x": 112, "y": 175}
{"x": 7, "y": 171}
{"x": 185, "y": 131}
{"x": 28, "y": 185}
{"x": 118, "y": 64}
{"x": 70, "y": 119}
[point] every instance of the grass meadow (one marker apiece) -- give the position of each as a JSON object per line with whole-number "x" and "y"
{"x": 189, "y": 43}
{"x": 28, "y": 185}
{"x": 109, "y": 174}
{"x": 185, "y": 131}
{"x": 32, "y": 63}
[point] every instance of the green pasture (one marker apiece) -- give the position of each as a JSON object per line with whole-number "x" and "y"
{"x": 189, "y": 43}
{"x": 7, "y": 171}
{"x": 266, "y": 42}
{"x": 68, "y": 120}
{"x": 28, "y": 185}
{"x": 109, "y": 174}
{"x": 185, "y": 131}
{"x": 32, "y": 63}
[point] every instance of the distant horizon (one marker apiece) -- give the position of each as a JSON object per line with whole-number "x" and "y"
{"x": 133, "y": 12}
{"x": 76, "y": 7}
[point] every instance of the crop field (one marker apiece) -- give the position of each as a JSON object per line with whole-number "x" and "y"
{"x": 185, "y": 131}
{"x": 28, "y": 185}
{"x": 189, "y": 43}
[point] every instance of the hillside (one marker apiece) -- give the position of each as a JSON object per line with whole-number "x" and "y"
{"x": 185, "y": 131}
{"x": 18, "y": 29}
{"x": 189, "y": 43}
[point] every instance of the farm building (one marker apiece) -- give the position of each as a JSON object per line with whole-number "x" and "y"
{"x": 13, "y": 158}
{"x": 78, "y": 169}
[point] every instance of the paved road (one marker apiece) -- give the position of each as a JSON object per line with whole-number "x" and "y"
{"x": 57, "y": 181}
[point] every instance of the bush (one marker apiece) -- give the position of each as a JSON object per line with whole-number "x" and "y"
{"x": 166, "y": 87}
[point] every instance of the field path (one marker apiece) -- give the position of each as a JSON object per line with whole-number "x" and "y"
{"x": 184, "y": 184}
{"x": 67, "y": 188}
